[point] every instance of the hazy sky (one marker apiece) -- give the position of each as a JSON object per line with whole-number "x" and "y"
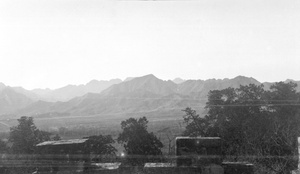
{"x": 52, "y": 43}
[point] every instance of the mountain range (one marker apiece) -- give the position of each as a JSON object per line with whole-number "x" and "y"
{"x": 133, "y": 96}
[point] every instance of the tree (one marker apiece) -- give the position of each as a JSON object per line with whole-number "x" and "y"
{"x": 252, "y": 122}
{"x": 100, "y": 147}
{"x": 196, "y": 126}
{"x": 25, "y": 136}
{"x": 56, "y": 137}
{"x": 43, "y": 135}
{"x": 137, "y": 140}
{"x": 100, "y": 144}
{"x": 284, "y": 107}
{"x": 3, "y": 147}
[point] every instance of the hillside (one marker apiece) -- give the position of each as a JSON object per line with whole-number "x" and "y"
{"x": 141, "y": 95}
{"x": 146, "y": 95}
{"x": 64, "y": 93}
{"x": 10, "y": 100}
{"x": 70, "y": 91}
{"x": 147, "y": 84}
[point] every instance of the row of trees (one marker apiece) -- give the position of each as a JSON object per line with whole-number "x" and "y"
{"x": 135, "y": 138}
{"x": 255, "y": 124}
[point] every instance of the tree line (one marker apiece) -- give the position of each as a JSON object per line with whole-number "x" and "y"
{"x": 135, "y": 139}
{"x": 257, "y": 125}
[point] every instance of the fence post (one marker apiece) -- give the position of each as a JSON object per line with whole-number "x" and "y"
{"x": 298, "y": 158}
{"x": 298, "y": 153}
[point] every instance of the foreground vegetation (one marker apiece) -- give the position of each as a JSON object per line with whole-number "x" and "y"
{"x": 255, "y": 125}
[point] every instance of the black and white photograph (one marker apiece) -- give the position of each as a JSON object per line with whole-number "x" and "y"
{"x": 150, "y": 86}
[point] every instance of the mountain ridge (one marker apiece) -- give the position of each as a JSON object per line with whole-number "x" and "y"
{"x": 137, "y": 95}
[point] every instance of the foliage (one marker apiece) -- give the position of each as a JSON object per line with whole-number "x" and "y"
{"x": 137, "y": 140}
{"x": 3, "y": 147}
{"x": 195, "y": 124}
{"x": 252, "y": 122}
{"x": 25, "y": 136}
{"x": 56, "y": 137}
{"x": 100, "y": 144}
{"x": 43, "y": 135}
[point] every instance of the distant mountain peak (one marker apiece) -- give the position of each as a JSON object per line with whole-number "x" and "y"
{"x": 149, "y": 76}
{"x": 2, "y": 86}
{"x": 144, "y": 84}
{"x": 244, "y": 78}
{"x": 94, "y": 81}
{"x": 146, "y": 78}
{"x": 128, "y": 79}
{"x": 178, "y": 80}
{"x": 289, "y": 80}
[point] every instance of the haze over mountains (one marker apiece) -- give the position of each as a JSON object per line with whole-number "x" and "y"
{"x": 133, "y": 96}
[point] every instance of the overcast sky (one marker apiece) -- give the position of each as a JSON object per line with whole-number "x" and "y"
{"x": 52, "y": 43}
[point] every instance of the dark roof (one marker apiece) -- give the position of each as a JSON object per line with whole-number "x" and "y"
{"x": 62, "y": 142}
{"x": 199, "y": 138}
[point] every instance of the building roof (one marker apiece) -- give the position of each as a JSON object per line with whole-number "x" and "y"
{"x": 159, "y": 165}
{"x": 199, "y": 138}
{"x": 107, "y": 166}
{"x": 62, "y": 142}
